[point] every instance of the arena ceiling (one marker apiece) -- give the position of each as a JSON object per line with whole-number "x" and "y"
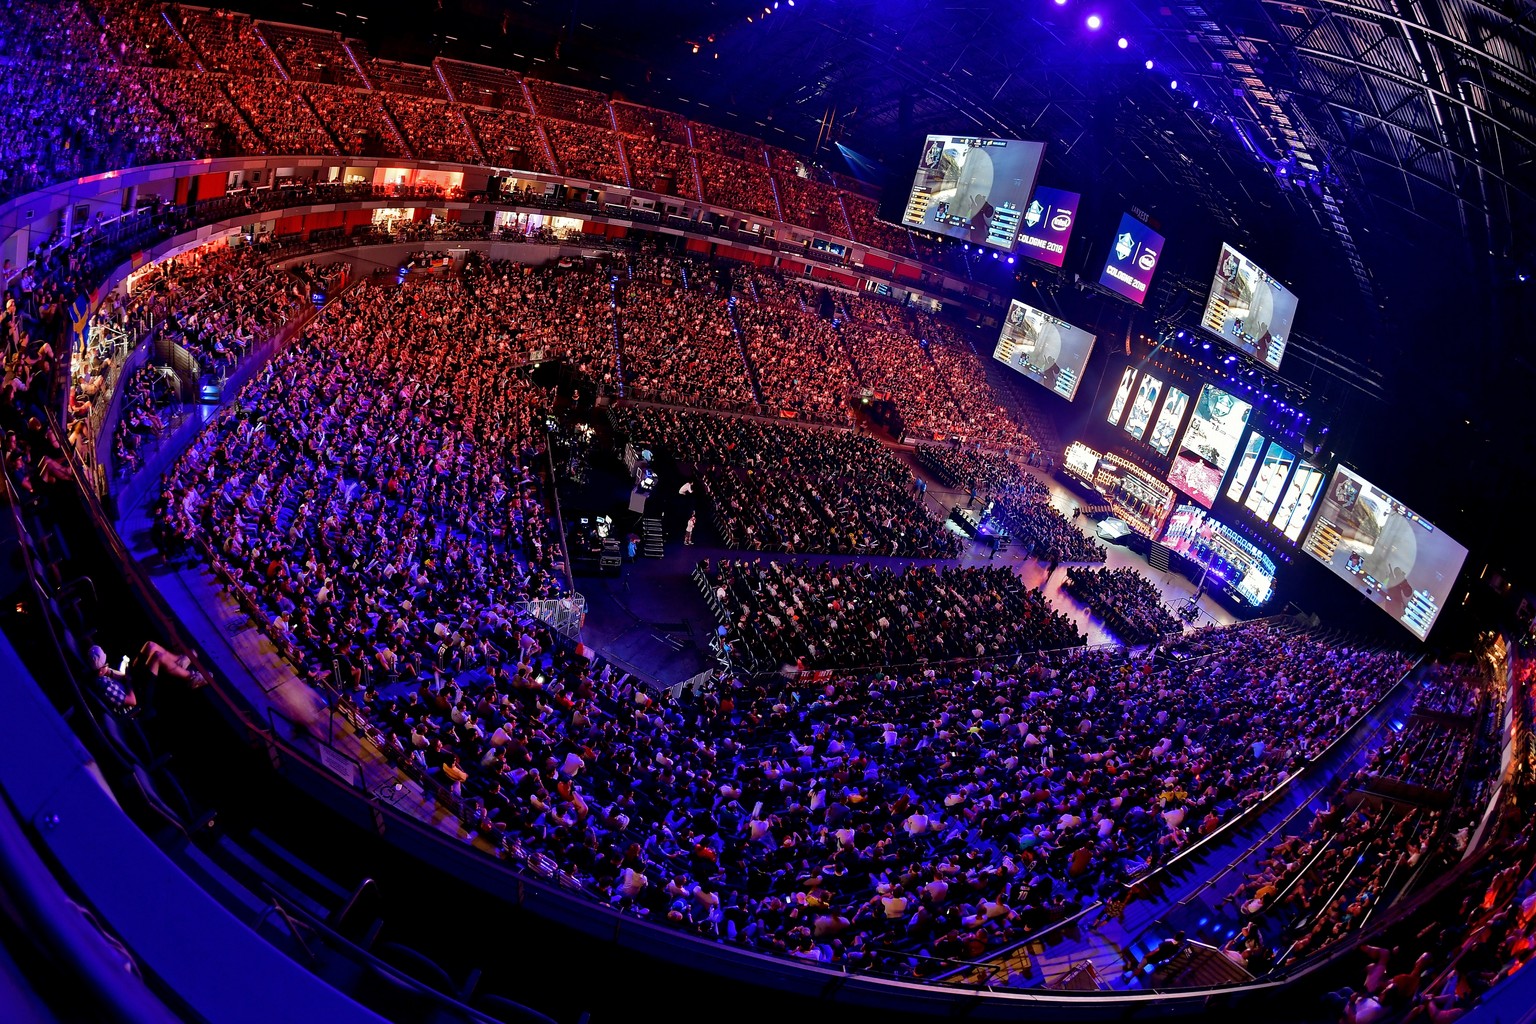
{"x": 1378, "y": 155}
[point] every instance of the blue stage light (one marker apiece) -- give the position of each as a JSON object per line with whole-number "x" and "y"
{"x": 1095, "y": 22}
{"x": 1148, "y": 65}
{"x": 1173, "y": 84}
{"x": 1122, "y": 42}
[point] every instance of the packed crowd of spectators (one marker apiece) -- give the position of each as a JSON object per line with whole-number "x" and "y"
{"x": 566, "y": 103}
{"x": 882, "y": 821}
{"x": 586, "y": 151}
{"x": 150, "y": 398}
{"x": 1037, "y": 524}
{"x": 795, "y": 351}
{"x": 1425, "y": 754}
{"x": 1130, "y": 604}
{"x": 836, "y": 616}
{"x": 1455, "y": 690}
{"x": 220, "y": 301}
{"x": 915, "y": 359}
{"x": 1323, "y": 884}
{"x": 676, "y": 342}
{"x": 372, "y": 491}
{"x": 708, "y": 138}
{"x": 966, "y": 466}
{"x": 556, "y": 312}
{"x": 63, "y": 122}
{"x": 433, "y": 129}
{"x": 1481, "y": 930}
{"x": 225, "y": 41}
{"x": 202, "y": 111}
{"x": 312, "y": 56}
{"x": 356, "y": 120}
{"x": 737, "y": 184}
{"x": 783, "y": 488}
{"x": 280, "y": 114}
{"x": 661, "y": 167}
{"x": 863, "y": 217}
{"x": 808, "y": 202}
{"x": 104, "y": 84}
{"x": 510, "y": 138}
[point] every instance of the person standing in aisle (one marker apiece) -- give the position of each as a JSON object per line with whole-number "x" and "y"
{"x": 693, "y": 519}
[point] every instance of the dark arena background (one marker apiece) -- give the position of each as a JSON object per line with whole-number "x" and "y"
{"x": 592, "y": 512}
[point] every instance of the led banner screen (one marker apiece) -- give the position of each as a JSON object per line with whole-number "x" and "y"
{"x": 1141, "y": 409}
{"x": 976, "y": 190}
{"x": 1047, "y": 225}
{"x": 1234, "y": 561}
{"x": 1366, "y": 536}
{"x": 1133, "y": 256}
{"x": 1122, "y": 395}
{"x": 1043, "y": 348}
{"x": 1248, "y": 309}
{"x": 1174, "y": 404}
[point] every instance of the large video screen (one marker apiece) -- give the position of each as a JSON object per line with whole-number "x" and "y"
{"x": 1122, "y": 395}
{"x": 1216, "y": 427}
{"x": 1132, "y": 260}
{"x": 1195, "y": 477}
{"x": 1205, "y": 453}
{"x": 1141, "y": 409}
{"x": 1273, "y": 473}
{"x": 1299, "y": 499}
{"x": 973, "y": 189}
{"x": 1245, "y": 466}
{"x": 1366, "y": 536}
{"x": 1174, "y": 404}
{"x": 1248, "y": 309}
{"x": 1047, "y": 225}
{"x": 1043, "y": 348}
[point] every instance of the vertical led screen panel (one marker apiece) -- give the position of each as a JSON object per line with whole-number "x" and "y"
{"x": 1168, "y": 421}
{"x": 1299, "y": 498}
{"x": 1141, "y": 409}
{"x": 1366, "y": 536}
{"x": 1245, "y": 467}
{"x": 1043, "y": 348}
{"x": 1265, "y": 494}
{"x": 973, "y": 189}
{"x": 1248, "y": 309}
{"x": 1123, "y": 395}
{"x": 1047, "y": 225}
{"x": 1133, "y": 256}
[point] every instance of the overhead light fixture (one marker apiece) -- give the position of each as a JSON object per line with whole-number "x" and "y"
{"x": 1148, "y": 65}
{"x": 1095, "y": 22}
{"x": 1173, "y": 84}
{"x": 1122, "y": 42}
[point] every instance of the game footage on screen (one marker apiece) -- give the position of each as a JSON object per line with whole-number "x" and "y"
{"x": 1403, "y": 562}
{"x": 1248, "y": 309}
{"x": 1044, "y": 348}
{"x": 973, "y": 189}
